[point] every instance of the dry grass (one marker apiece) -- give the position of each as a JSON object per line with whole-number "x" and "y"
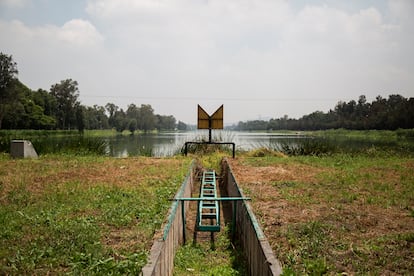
{"x": 319, "y": 218}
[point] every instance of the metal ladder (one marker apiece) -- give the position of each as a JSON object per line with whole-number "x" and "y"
{"x": 208, "y": 213}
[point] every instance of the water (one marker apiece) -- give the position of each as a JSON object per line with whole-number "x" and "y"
{"x": 162, "y": 144}
{"x": 171, "y": 143}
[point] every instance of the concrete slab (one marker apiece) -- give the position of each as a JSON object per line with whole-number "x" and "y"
{"x": 22, "y": 149}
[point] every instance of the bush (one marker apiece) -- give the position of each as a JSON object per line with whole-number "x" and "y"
{"x": 315, "y": 147}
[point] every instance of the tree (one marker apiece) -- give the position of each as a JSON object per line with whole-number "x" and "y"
{"x": 8, "y": 75}
{"x": 111, "y": 109}
{"x": 165, "y": 122}
{"x": 133, "y": 112}
{"x": 395, "y": 111}
{"x": 181, "y": 126}
{"x": 23, "y": 112}
{"x": 45, "y": 100}
{"x": 132, "y": 125}
{"x": 80, "y": 120}
{"x": 147, "y": 118}
{"x": 66, "y": 94}
{"x": 95, "y": 117}
{"x": 120, "y": 120}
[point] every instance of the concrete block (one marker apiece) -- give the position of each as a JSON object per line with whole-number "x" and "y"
{"x": 22, "y": 149}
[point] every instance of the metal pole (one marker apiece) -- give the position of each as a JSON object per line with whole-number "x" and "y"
{"x": 209, "y": 129}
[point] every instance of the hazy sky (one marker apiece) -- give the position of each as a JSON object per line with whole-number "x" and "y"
{"x": 260, "y": 58}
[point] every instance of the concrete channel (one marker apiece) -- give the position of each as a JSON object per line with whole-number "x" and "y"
{"x": 245, "y": 230}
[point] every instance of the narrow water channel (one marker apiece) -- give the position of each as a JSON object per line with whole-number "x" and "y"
{"x": 208, "y": 253}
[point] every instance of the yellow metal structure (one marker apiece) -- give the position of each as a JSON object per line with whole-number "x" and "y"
{"x": 206, "y": 121}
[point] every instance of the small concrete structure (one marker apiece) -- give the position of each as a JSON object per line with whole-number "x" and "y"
{"x": 22, "y": 149}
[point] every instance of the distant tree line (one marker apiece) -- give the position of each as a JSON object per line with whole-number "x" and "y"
{"x": 385, "y": 114}
{"x": 60, "y": 108}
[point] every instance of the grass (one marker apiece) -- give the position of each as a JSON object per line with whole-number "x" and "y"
{"x": 307, "y": 240}
{"x": 207, "y": 149}
{"x": 329, "y": 213}
{"x": 83, "y": 215}
{"x": 58, "y": 141}
{"x": 204, "y": 256}
{"x": 338, "y": 213}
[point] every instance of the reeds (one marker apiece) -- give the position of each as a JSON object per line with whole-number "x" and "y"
{"x": 56, "y": 142}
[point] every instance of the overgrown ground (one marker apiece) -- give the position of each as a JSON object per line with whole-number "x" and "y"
{"x": 337, "y": 213}
{"x": 349, "y": 214}
{"x": 83, "y": 215}
{"x": 208, "y": 253}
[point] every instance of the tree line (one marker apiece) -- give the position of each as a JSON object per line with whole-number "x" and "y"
{"x": 60, "y": 108}
{"x": 382, "y": 114}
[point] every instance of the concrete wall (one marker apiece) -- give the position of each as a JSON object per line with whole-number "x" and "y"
{"x": 256, "y": 248}
{"x": 22, "y": 149}
{"x": 161, "y": 259}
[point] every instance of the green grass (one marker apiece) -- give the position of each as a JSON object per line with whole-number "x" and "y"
{"x": 203, "y": 258}
{"x": 307, "y": 242}
{"x": 58, "y": 141}
{"x": 208, "y": 149}
{"x": 343, "y": 212}
{"x": 73, "y": 215}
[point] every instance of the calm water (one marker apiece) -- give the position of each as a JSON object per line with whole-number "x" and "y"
{"x": 171, "y": 143}
{"x": 166, "y": 144}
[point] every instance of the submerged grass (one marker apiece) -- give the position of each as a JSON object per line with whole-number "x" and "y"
{"x": 82, "y": 215}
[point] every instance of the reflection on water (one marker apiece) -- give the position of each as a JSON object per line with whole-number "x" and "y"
{"x": 171, "y": 143}
{"x": 160, "y": 144}
{"x": 167, "y": 144}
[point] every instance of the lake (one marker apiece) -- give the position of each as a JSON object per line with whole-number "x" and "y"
{"x": 171, "y": 143}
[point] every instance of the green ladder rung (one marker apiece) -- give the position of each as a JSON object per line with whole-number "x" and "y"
{"x": 209, "y": 228}
{"x": 208, "y": 215}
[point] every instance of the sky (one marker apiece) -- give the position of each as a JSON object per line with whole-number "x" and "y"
{"x": 261, "y": 59}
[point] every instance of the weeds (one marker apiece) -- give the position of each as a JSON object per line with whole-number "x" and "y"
{"x": 89, "y": 215}
{"x": 56, "y": 142}
{"x": 77, "y": 145}
{"x": 308, "y": 242}
{"x": 202, "y": 259}
{"x": 201, "y": 145}
{"x": 309, "y": 146}
{"x": 335, "y": 213}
